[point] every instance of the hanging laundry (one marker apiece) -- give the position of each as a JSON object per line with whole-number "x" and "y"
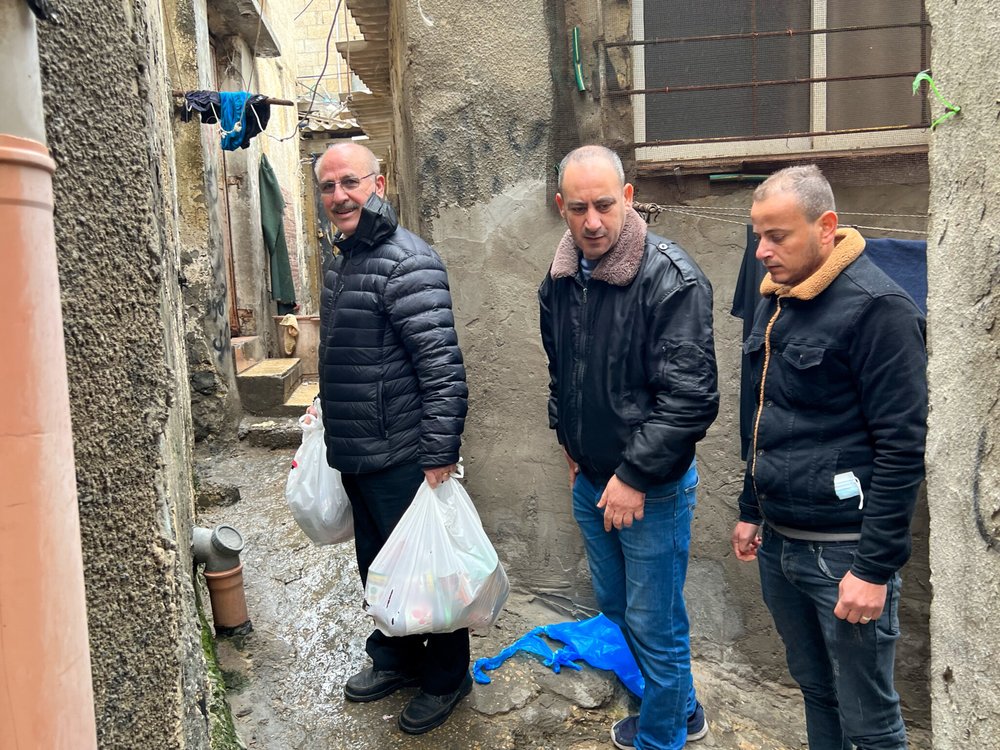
{"x": 272, "y": 207}
{"x": 257, "y": 115}
{"x": 232, "y": 117}
{"x": 241, "y": 115}
{"x": 206, "y": 103}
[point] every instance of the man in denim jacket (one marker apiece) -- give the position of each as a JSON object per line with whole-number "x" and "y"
{"x": 839, "y": 371}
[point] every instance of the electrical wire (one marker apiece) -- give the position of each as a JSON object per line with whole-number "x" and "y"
{"x": 654, "y": 210}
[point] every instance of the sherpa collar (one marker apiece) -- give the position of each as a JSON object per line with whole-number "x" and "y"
{"x": 848, "y": 246}
{"x": 618, "y": 266}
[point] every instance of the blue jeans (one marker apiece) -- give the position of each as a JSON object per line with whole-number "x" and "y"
{"x": 638, "y": 576}
{"x": 844, "y": 670}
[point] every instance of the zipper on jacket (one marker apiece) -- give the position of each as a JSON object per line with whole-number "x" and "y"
{"x": 580, "y": 364}
{"x": 760, "y": 398}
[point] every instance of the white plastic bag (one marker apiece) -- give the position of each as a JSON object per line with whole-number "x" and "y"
{"x": 438, "y": 571}
{"x": 314, "y": 490}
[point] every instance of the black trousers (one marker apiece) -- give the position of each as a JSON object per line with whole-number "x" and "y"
{"x": 379, "y": 499}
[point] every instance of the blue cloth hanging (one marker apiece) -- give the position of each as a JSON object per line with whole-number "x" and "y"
{"x": 232, "y": 118}
{"x": 597, "y": 641}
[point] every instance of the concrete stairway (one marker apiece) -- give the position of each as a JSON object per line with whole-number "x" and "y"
{"x": 275, "y": 388}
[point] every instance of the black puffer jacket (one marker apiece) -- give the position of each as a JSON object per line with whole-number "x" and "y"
{"x": 843, "y": 366}
{"x": 392, "y": 381}
{"x": 633, "y": 383}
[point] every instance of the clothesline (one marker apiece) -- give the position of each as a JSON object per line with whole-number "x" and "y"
{"x": 742, "y": 211}
{"x": 652, "y": 209}
{"x": 267, "y": 99}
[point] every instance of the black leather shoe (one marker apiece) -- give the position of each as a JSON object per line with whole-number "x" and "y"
{"x": 426, "y": 711}
{"x": 371, "y": 684}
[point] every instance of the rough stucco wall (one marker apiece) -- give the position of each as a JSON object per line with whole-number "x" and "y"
{"x": 108, "y": 124}
{"x": 962, "y": 461}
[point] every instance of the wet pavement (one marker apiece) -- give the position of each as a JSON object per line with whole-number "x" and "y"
{"x": 286, "y": 678}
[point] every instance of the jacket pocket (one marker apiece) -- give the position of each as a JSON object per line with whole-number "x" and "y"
{"x": 805, "y": 377}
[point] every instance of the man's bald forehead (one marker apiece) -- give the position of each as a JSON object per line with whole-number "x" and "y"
{"x": 590, "y": 153}
{"x": 353, "y": 151}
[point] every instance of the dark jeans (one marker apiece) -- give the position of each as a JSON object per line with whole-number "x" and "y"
{"x": 844, "y": 670}
{"x": 378, "y": 500}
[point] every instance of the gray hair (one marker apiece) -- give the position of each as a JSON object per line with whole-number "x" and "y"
{"x": 373, "y": 165}
{"x": 586, "y": 153}
{"x": 806, "y": 183}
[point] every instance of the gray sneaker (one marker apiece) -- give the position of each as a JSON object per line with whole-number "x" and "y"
{"x": 623, "y": 732}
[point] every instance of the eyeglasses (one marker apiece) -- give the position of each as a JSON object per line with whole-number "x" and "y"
{"x": 348, "y": 183}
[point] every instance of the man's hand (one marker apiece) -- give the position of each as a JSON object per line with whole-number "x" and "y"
{"x": 746, "y": 540}
{"x": 439, "y": 475}
{"x": 574, "y": 469}
{"x": 622, "y": 504}
{"x": 859, "y": 600}
{"x": 311, "y": 412}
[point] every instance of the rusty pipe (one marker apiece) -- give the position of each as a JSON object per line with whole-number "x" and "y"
{"x": 219, "y": 550}
{"x": 44, "y": 651}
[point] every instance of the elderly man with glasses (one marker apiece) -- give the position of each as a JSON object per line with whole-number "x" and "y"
{"x": 392, "y": 386}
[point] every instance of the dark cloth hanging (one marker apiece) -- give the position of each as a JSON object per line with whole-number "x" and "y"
{"x": 903, "y": 261}
{"x": 242, "y": 115}
{"x": 272, "y": 208}
{"x": 205, "y": 103}
{"x": 745, "y": 301}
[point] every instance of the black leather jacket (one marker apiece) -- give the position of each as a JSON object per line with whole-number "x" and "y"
{"x": 633, "y": 382}
{"x": 392, "y": 380}
{"x": 846, "y": 391}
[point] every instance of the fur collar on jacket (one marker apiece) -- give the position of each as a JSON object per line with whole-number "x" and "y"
{"x": 618, "y": 266}
{"x": 848, "y": 246}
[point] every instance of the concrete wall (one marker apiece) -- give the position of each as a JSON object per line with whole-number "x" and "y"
{"x": 474, "y": 92}
{"x": 108, "y": 121}
{"x": 963, "y": 465}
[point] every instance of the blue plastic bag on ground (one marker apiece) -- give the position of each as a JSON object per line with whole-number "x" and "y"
{"x": 597, "y": 641}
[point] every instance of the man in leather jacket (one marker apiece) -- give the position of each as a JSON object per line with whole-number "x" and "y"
{"x": 839, "y": 372}
{"x": 394, "y": 397}
{"x": 626, "y": 321}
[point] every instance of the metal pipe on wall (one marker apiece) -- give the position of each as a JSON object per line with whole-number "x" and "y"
{"x": 48, "y": 698}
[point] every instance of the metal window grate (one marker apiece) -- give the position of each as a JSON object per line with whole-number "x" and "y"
{"x": 814, "y": 73}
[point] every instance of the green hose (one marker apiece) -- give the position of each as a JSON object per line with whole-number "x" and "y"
{"x": 577, "y": 69}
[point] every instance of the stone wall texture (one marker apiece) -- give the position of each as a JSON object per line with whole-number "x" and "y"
{"x": 108, "y": 122}
{"x": 962, "y": 460}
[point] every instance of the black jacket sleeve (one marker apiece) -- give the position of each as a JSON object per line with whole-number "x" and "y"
{"x": 418, "y": 304}
{"x": 549, "y": 344}
{"x": 889, "y": 361}
{"x": 684, "y": 380}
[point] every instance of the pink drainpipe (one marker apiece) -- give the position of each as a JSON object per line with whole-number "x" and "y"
{"x": 46, "y": 695}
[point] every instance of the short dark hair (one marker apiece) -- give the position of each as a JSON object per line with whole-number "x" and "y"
{"x": 806, "y": 183}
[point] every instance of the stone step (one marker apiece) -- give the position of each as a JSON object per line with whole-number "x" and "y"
{"x": 247, "y": 351}
{"x": 300, "y": 400}
{"x": 267, "y": 385}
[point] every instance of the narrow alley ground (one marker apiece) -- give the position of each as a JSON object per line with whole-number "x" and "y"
{"x": 285, "y": 679}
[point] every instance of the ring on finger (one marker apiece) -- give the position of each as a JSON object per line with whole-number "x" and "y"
{"x": 865, "y": 620}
